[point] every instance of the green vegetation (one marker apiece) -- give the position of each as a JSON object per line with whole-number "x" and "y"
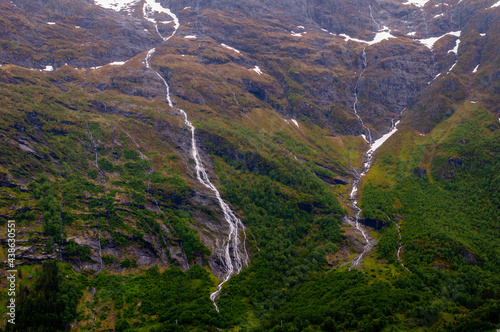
{"x": 449, "y": 220}
{"x": 295, "y": 226}
{"x": 441, "y": 189}
{"x": 154, "y": 298}
{"x": 50, "y": 303}
{"x": 151, "y": 298}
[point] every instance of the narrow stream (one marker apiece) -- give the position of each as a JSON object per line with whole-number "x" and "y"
{"x": 374, "y": 145}
{"x": 232, "y": 253}
{"x": 370, "y": 243}
{"x": 368, "y": 135}
{"x": 400, "y": 246}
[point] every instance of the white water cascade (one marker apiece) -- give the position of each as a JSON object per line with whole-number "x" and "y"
{"x": 398, "y": 254}
{"x": 352, "y": 197}
{"x": 368, "y": 136}
{"x": 374, "y": 145}
{"x": 373, "y": 19}
{"x": 232, "y": 253}
{"x": 400, "y": 246}
{"x": 357, "y": 261}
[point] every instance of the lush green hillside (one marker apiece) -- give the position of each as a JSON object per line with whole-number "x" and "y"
{"x": 105, "y": 177}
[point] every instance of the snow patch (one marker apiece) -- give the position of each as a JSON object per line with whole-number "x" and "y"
{"x": 94, "y": 68}
{"x": 230, "y": 48}
{"x": 413, "y": 33}
{"x": 295, "y": 122}
{"x": 496, "y": 4}
{"x": 482, "y": 34}
{"x": 51, "y": 23}
{"x": 189, "y": 7}
{"x": 429, "y": 42}
{"x": 300, "y": 27}
{"x": 455, "y": 49}
{"x": 438, "y": 16}
{"x": 378, "y": 143}
{"x": 451, "y": 68}
{"x": 190, "y": 37}
{"x": 117, "y": 5}
{"x": 78, "y": 27}
{"x": 117, "y": 63}
{"x": 257, "y": 70}
{"x": 472, "y": 101}
{"x": 418, "y": 3}
{"x": 295, "y": 34}
{"x": 324, "y": 30}
{"x": 48, "y": 68}
{"x": 151, "y": 7}
{"x": 475, "y": 69}
{"x": 379, "y": 36}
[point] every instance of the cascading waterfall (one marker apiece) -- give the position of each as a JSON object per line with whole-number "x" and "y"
{"x": 357, "y": 261}
{"x": 400, "y": 246}
{"x": 367, "y": 137}
{"x": 352, "y": 197}
{"x": 373, "y": 19}
{"x": 232, "y": 253}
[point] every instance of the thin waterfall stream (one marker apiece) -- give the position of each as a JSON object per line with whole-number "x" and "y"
{"x": 374, "y": 145}
{"x": 232, "y": 253}
{"x": 370, "y": 243}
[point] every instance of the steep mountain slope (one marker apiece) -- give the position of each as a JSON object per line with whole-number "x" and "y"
{"x": 113, "y": 111}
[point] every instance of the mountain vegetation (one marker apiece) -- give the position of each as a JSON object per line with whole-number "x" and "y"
{"x": 101, "y": 172}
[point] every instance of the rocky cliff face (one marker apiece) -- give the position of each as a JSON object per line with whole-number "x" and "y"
{"x": 399, "y": 71}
